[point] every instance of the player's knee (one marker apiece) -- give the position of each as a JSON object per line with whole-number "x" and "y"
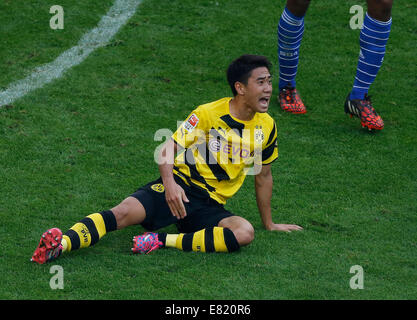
{"x": 244, "y": 234}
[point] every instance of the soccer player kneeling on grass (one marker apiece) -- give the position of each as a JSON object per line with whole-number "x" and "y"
{"x": 203, "y": 164}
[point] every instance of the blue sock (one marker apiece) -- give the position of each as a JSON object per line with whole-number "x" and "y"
{"x": 290, "y": 32}
{"x": 373, "y": 38}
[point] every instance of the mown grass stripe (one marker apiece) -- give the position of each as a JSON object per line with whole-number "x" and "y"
{"x": 109, "y": 25}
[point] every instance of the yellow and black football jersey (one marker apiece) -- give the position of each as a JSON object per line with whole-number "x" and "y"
{"x": 217, "y": 151}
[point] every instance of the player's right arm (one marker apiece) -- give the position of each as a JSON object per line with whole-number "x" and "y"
{"x": 187, "y": 134}
{"x": 174, "y": 194}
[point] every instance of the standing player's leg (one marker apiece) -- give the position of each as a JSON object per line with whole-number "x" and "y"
{"x": 290, "y": 33}
{"x": 89, "y": 230}
{"x": 373, "y": 38}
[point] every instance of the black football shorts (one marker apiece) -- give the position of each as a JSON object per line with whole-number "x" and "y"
{"x": 202, "y": 212}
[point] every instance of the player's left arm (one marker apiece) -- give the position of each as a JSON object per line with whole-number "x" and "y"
{"x": 263, "y": 189}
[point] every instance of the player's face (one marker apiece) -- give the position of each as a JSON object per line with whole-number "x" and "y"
{"x": 258, "y": 91}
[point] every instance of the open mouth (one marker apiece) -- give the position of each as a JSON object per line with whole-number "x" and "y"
{"x": 264, "y": 100}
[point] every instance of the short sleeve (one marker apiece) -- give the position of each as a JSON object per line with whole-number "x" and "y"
{"x": 191, "y": 130}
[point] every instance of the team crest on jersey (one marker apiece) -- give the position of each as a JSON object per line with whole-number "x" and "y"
{"x": 259, "y": 136}
{"x": 191, "y": 123}
{"x": 158, "y": 187}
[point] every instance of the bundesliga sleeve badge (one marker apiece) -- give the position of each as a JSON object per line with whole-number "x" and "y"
{"x": 191, "y": 123}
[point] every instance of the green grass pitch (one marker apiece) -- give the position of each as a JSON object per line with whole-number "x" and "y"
{"x": 84, "y": 142}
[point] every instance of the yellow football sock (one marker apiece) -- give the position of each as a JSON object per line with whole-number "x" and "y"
{"x": 215, "y": 239}
{"x": 88, "y": 231}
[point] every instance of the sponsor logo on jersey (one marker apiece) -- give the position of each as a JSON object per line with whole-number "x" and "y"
{"x": 236, "y": 150}
{"x": 214, "y": 145}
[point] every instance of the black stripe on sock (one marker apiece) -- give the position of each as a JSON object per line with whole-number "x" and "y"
{"x": 75, "y": 239}
{"x": 209, "y": 240}
{"x": 109, "y": 220}
{"x": 89, "y": 223}
{"x": 187, "y": 242}
{"x": 230, "y": 240}
{"x": 162, "y": 237}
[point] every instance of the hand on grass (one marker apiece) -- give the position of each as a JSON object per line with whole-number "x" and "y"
{"x": 284, "y": 227}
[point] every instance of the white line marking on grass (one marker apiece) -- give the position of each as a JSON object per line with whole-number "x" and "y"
{"x": 109, "y": 25}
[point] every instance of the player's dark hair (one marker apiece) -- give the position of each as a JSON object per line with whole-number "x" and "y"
{"x": 240, "y": 69}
